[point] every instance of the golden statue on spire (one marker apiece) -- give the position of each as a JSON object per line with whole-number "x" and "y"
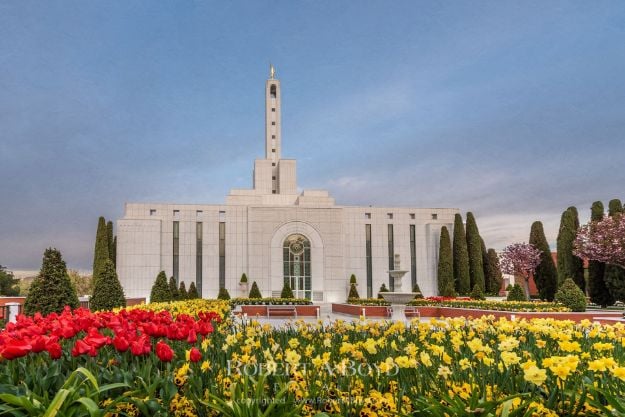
{"x": 272, "y": 71}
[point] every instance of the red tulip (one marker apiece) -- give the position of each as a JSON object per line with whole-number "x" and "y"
{"x": 54, "y": 349}
{"x": 164, "y": 352}
{"x": 192, "y": 338}
{"x": 121, "y": 344}
{"x": 195, "y": 355}
{"x": 81, "y": 348}
{"x": 16, "y": 349}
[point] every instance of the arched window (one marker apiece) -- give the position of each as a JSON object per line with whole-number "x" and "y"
{"x": 272, "y": 91}
{"x": 296, "y": 261}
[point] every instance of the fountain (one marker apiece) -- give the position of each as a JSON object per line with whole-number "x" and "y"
{"x": 398, "y": 298}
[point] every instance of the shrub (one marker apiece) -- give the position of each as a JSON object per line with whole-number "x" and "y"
{"x": 192, "y": 294}
{"x": 509, "y": 287}
{"x": 173, "y": 289}
{"x": 52, "y": 290}
{"x": 382, "y": 289}
{"x": 516, "y": 294}
{"x": 417, "y": 289}
{"x": 107, "y": 292}
{"x": 255, "y": 292}
{"x": 182, "y": 292}
{"x": 243, "y": 279}
{"x": 223, "y": 294}
{"x": 287, "y": 292}
{"x": 571, "y": 296}
{"x": 353, "y": 292}
{"x": 352, "y": 279}
{"x": 477, "y": 293}
{"x": 160, "y": 290}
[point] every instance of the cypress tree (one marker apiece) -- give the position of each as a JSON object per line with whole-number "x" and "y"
{"x": 614, "y": 275}
{"x": 569, "y": 265}
{"x": 445, "y": 264}
{"x": 485, "y": 267}
{"x": 182, "y": 291}
{"x": 107, "y": 293}
{"x": 597, "y": 289}
{"x": 578, "y": 263}
{"x": 192, "y": 294}
{"x": 474, "y": 247}
{"x": 173, "y": 289}
{"x": 255, "y": 292}
{"x": 353, "y": 292}
{"x": 494, "y": 276}
{"x": 101, "y": 252}
{"x": 109, "y": 237}
{"x": 461, "y": 258}
{"x": 546, "y": 275}
{"x": 52, "y": 290}
{"x": 113, "y": 255}
{"x": 160, "y": 290}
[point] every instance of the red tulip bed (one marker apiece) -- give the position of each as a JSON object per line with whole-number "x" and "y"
{"x": 125, "y": 357}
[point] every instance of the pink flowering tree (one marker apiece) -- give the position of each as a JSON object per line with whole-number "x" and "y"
{"x": 602, "y": 240}
{"x": 520, "y": 260}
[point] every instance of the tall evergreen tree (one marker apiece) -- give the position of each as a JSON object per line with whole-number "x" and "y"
{"x": 101, "y": 252}
{"x": 160, "y": 290}
{"x": 569, "y": 265}
{"x": 578, "y": 263}
{"x": 173, "y": 289}
{"x": 109, "y": 237}
{"x": 9, "y": 285}
{"x": 52, "y": 290}
{"x": 614, "y": 276}
{"x": 494, "y": 276}
{"x": 445, "y": 263}
{"x": 546, "y": 275}
{"x": 107, "y": 293}
{"x": 485, "y": 266}
{"x": 597, "y": 289}
{"x": 461, "y": 258}
{"x": 113, "y": 255}
{"x": 474, "y": 247}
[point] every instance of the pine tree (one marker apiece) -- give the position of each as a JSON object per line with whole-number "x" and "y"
{"x": 546, "y": 275}
{"x": 107, "y": 293}
{"x": 101, "y": 252}
{"x": 173, "y": 289}
{"x": 445, "y": 264}
{"x": 614, "y": 275}
{"x": 461, "y": 258}
{"x": 569, "y": 265}
{"x": 255, "y": 292}
{"x": 160, "y": 290}
{"x": 494, "y": 276}
{"x": 597, "y": 289}
{"x": 192, "y": 294}
{"x": 474, "y": 247}
{"x": 52, "y": 290}
{"x": 182, "y": 291}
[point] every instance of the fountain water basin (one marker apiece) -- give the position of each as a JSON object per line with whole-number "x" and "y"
{"x": 398, "y": 298}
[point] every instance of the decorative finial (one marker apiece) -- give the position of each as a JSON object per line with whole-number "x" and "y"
{"x": 272, "y": 72}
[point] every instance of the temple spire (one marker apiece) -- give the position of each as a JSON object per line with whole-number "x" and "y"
{"x": 272, "y": 72}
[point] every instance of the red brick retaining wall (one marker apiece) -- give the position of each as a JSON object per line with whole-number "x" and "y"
{"x": 357, "y": 310}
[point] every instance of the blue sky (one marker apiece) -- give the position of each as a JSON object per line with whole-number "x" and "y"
{"x": 512, "y": 110}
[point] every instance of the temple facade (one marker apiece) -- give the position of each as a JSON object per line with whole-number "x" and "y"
{"x": 275, "y": 233}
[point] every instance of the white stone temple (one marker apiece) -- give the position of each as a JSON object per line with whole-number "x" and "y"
{"x": 273, "y": 233}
